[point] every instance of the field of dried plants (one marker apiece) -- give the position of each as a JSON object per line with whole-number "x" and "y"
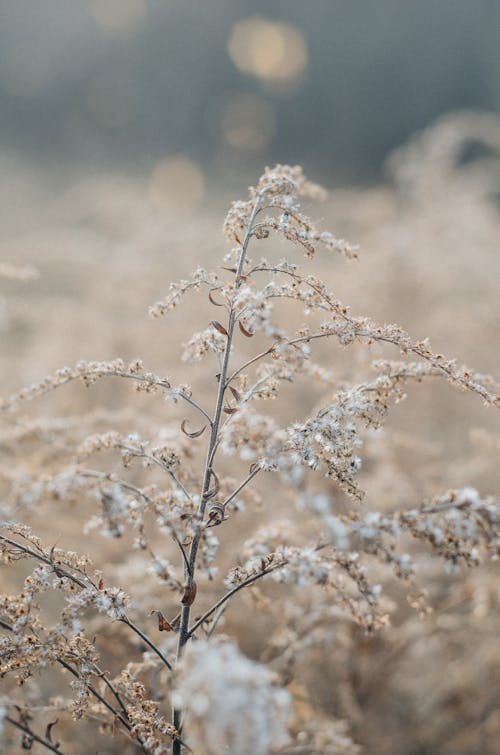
{"x": 392, "y": 660}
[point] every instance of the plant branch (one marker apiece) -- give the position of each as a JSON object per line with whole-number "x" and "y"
{"x": 26, "y": 729}
{"x": 186, "y": 609}
{"x": 245, "y": 482}
{"x": 137, "y": 491}
{"x": 232, "y": 592}
{"x": 145, "y": 638}
{"x": 63, "y": 573}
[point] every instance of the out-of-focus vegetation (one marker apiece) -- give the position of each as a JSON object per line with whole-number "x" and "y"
{"x": 127, "y": 126}
{"x": 109, "y": 248}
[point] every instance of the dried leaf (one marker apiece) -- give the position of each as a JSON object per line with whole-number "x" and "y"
{"x": 235, "y": 393}
{"x": 245, "y": 332}
{"x": 213, "y": 491}
{"x": 216, "y": 514}
{"x": 195, "y": 434}
{"x": 175, "y": 622}
{"x": 189, "y": 593}
{"x": 163, "y": 624}
{"x": 219, "y": 327}
{"x": 100, "y": 586}
{"x": 48, "y": 732}
{"x": 230, "y": 409}
{"x": 27, "y": 742}
{"x": 212, "y": 300}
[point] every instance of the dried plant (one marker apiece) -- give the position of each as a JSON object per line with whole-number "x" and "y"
{"x": 179, "y": 490}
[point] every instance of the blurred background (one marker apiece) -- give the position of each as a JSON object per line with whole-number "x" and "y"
{"x": 212, "y": 90}
{"x": 126, "y": 127}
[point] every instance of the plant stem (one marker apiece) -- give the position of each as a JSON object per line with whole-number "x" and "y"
{"x": 34, "y": 737}
{"x": 212, "y": 445}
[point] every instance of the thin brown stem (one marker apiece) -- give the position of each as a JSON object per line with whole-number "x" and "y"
{"x": 147, "y": 640}
{"x": 150, "y": 380}
{"x": 36, "y": 737}
{"x": 399, "y": 339}
{"x": 117, "y": 716}
{"x": 96, "y": 694}
{"x": 218, "y": 616}
{"x": 59, "y": 571}
{"x": 109, "y": 685}
{"x": 63, "y": 573}
{"x": 138, "y": 492}
{"x": 232, "y": 592}
{"x": 186, "y": 609}
{"x": 243, "y": 584}
{"x": 240, "y": 487}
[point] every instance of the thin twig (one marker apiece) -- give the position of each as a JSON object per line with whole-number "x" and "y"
{"x": 137, "y": 491}
{"x": 273, "y": 567}
{"x": 109, "y": 685}
{"x": 245, "y": 482}
{"x": 232, "y": 592}
{"x": 36, "y": 737}
{"x": 218, "y": 616}
{"x": 62, "y": 572}
{"x": 96, "y": 694}
{"x": 145, "y": 638}
{"x": 59, "y": 571}
{"x": 149, "y": 380}
{"x": 92, "y": 690}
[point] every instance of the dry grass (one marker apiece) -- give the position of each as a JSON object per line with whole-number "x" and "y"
{"x": 429, "y": 261}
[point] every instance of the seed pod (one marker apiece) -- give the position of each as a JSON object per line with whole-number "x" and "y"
{"x": 216, "y": 513}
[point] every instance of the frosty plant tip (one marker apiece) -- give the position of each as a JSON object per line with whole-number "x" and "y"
{"x": 176, "y": 489}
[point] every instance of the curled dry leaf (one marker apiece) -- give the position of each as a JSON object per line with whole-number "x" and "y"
{"x": 48, "y": 732}
{"x": 163, "y": 624}
{"x": 212, "y": 300}
{"x": 245, "y": 332}
{"x": 230, "y": 409}
{"x": 220, "y": 328}
{"x": 216, "y": 514}
{"x": 189, "y": 593}
{"x": 213, "y": 491}
{"x": 235, "y": 393}
{"x": 195, "y": 433}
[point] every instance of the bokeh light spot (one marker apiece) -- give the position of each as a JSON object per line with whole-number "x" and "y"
{"x": 118, "y": 17}
{"x": 269, "y": 50}
{"x": 248, "y": 122}
{"x": 177, "y": 183}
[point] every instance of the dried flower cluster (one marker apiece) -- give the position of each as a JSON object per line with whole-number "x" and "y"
{"x": 168, "y": 494}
